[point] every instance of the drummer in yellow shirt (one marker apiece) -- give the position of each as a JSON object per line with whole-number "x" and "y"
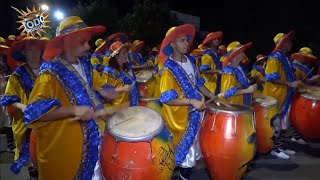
{"x": 302, "y": 61}
{"x": 180, "y": 88}
{"x": 257, "y": 72}
{"x": 63, "y": 104}
{"x": 235, "y": 87}
{"x": 281, "y": 84}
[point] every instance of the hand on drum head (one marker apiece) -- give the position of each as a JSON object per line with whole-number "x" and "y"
{"x": 294, "y": 84}
{"x": 128, "y": 88}
{"x": 251, "y": 89}
{"x": 199, "y": 105}
{"x": 101, "y": 113}
{"x": 83, "y": 113}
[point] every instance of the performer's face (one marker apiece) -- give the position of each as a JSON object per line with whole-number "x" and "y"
{"x": 181, "y": 45}
{"x": 287, "y": 46}
{"x": 122, "y": 56}
{"x": 216, "y": 42}
{"x": 32, "y": 53}
{"x": 78, "y": 46}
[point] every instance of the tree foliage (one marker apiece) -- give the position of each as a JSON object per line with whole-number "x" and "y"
{"x": 149, "y": 21}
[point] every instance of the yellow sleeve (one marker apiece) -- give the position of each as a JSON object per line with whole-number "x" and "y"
{"x": 95, "y": 62}
{"x": 98, "y": 81}
{"x": 167, "y": 87}
{"x": 111, "y": 80}
{"x": 13, "y": 87}
{"x": 229, "y": 87}
{"x": 254, "y": 73}
{"x": 46, "y": 96}
{"x": 272, "y": 69}
{"x": 105, "y": 61}
{"x": 207, "y": 63}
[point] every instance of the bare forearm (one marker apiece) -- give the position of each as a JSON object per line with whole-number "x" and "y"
{"x": 205, "y": 91}
{"x": 58, "y": 114}
{"x": 280, "y": 82}
{"x": 179, "y": 102}
{"x": 19, "y": 106}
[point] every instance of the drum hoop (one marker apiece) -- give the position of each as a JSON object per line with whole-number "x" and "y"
{"x": 149, "y": 99}
{"x": 235, "y": 112}
{"x": 264, "y": 105}
{"x": 145, "y": 80}
{"x": 148, "y": 137}
{"x": 308, "y": 96}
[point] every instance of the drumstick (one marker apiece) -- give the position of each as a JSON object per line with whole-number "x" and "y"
{"x": 305, "y": 77}
{"x": 106, "y": 111}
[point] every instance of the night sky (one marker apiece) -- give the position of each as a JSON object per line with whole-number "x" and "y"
{"x": 256, "y": 21}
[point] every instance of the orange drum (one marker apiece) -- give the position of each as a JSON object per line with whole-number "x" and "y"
{"x": 227, "y": 140}
{"x": 265, "y": 107}
{"x": 305, "y": 114}
{"x": 147, "y": 83}
{"x": 153, "y": 103}
{"x": 137, "y": 145}
{"x": 32, "y": 148}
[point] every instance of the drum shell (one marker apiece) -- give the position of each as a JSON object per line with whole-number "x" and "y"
{"x": 147, "y": 89}
{"x": 305, "y": 115}
{"x": 264, "y": 129}
{"x": 224, "y": 144}
{"x": 32, "y": 148}
{"x": 138, "y": 160}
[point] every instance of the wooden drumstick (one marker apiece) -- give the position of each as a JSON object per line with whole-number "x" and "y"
{"x": 305, "y": 77}
{"x": 106, "y": 111}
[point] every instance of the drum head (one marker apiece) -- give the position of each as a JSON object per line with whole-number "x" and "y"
{"x": 144, "y": 76}
{"x": 235, "y": 108}
{"x": 266, "y": 101}
{"x": 135, "y": 124}
{"x": 315, "y": 95}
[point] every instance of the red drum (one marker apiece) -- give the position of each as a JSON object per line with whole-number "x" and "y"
{"x": 305, "y": 114}
{"x": 227, "y": 140}
{"x": 32, "y": 148}
{"x": 265, "y": 107}
{"x": 153, "y": 103}
{"x": 137, "y": 145}
{"x": 147, "y": 83}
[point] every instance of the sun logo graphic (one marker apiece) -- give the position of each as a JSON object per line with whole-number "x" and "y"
{"x": 33, "y": 22}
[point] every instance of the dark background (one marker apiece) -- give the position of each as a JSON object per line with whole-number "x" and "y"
{"x": 244, "y": 21}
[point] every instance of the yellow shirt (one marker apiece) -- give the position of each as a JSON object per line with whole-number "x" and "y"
{"x": 18, "y": 89}
{"x": 66, "y": 148}
{"x": 208, "y": 63}
{"x": 182, "y": 121}
{"x": 234, "y": 79}
{"x": 275, "y": 70}
{"x": 117, "y": 79}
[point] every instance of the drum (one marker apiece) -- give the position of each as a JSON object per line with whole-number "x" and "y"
{"x": 305, "y": 113}
{"x": 32, "y": 149}
{"x": 227, "y": 140}
{"x": 265, "y": 107}
{"x": 153, "y": 103}
{"x": 137, "y": 145}
{"x": 147, "y": 83}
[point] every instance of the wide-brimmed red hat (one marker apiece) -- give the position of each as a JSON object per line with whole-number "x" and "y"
{"x": 104, "y": 45}
{"x": 172, "y": 34}
{"x": 304, "y": 53}
{"x": 11, "y": 39}
{"x": 260, "y": 57}
{"x": 137, "y": 45}
{"x": 15, "y": 56}
{"x": 70, "y": 26}
{"x": 116, "y": 47}
{"x": 233, "y": 50}
{"x": 280, "y": 39}
{"x": 206, "y": 42}
{"x": 3, "y": 47}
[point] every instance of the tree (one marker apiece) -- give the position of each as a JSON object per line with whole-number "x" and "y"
{"x": 149, "y": 22}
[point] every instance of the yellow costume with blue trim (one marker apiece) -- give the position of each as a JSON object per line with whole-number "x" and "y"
{"x": 211, "y": 61}
{"x": 66, "y": 149}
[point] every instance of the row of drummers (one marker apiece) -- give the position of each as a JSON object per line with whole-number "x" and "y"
{"x": 233, "y": 130}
